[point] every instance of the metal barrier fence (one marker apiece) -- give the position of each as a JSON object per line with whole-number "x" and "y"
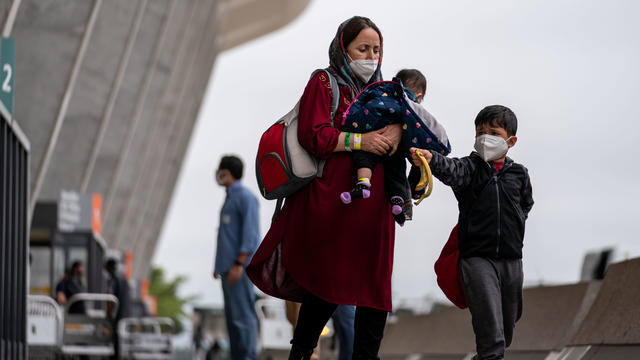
{"x": 14, "y": 239}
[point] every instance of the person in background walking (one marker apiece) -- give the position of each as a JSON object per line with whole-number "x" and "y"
{"x": 75, "y": 285}
{"x": 119, "y": 287}
{"x": 61, "y": 286}
{"x": 343, "y": 322}
{"x": 238, "y": 236}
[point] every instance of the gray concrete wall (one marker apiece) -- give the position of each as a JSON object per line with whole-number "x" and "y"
{"x": 614, "y": 318}
{"x": 130, "y": 96}
{"x": 89, "y": 98}
{"x": 185, "y": 117}
{"x": 48, "y": 34}
{"x": 597, "y": 320}
{"x": 108, "y": 92}
{"x": 446, "y": 331}
{"x": 5, "y": 6}
{"x": 552, "y": 315}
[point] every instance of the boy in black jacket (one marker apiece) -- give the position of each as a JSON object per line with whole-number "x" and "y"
{"x": 494, "y": 200}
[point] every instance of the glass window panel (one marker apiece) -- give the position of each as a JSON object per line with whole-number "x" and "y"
{"x": 40, "y": 267}
{"x": 58, "y": 264}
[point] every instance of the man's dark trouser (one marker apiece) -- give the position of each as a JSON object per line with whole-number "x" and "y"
{"x": 116, "y": 340}
{"x": 493, "y": 290}
{"x": 314, "y": 314}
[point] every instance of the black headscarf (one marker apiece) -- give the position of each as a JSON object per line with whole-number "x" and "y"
{"x": 339, "y": 63}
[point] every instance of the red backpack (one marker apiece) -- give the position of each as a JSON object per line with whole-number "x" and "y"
{"x": 283, "y": 166}
{"x": 448, "y": 271}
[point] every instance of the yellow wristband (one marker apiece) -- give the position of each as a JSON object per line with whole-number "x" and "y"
{"x": 358, "y": 141}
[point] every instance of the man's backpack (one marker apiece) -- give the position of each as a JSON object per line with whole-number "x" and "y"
{"x": 283, "y": 166}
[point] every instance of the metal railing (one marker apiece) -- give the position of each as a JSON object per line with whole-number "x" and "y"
{"x": 14, "y": 238}
{"x": 45, "y": 323}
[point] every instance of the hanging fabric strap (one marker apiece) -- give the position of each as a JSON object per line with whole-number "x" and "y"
{"x": 277, "y": 209}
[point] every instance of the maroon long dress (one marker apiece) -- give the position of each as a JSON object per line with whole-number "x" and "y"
{"x": 340, "y": 253}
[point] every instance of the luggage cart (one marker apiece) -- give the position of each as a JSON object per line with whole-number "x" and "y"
{"x": 89, "y": 334}
{"x": 144, "y": 338}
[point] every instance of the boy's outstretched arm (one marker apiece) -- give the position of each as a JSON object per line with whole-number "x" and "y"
{"x": 454, "y": 172}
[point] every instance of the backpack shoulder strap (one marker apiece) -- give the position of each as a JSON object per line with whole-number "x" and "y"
{"x": 335, "y": 92}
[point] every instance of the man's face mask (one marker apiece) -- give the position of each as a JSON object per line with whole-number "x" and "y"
{"x": 220, "y": 178}
{"x": 491, "y": 147}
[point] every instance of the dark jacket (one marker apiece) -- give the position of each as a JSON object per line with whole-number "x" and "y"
{"x": 75, "y": 286}
{"x": 119, "y": 287}
{"x": 493, "y": 205}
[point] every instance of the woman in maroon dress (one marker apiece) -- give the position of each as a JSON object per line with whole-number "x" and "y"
{"x": 320, "y": 251}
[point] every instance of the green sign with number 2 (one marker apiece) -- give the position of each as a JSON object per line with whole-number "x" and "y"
{"x": 7, "y": 62}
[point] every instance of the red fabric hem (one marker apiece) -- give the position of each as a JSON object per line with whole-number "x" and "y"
{"x": 335, "y": 300}
{"x": 254, "y": 269}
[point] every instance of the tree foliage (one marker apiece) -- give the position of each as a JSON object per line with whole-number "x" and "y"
{"x": 169, "y": 303}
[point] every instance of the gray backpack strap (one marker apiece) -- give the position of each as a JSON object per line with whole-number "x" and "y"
{"x": 335, "y": 93}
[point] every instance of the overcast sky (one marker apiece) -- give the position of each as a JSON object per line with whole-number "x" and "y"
{"x": 569, "y": 70}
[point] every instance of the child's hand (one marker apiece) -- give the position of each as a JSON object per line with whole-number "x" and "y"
{"x": 416, "y": 160}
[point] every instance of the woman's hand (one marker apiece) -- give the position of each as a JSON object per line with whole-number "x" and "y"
{"x": 394, "y": 134}
{"x": 377, "y": 143}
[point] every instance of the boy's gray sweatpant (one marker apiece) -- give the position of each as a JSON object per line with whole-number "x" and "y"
{"x": 493, "y": 290}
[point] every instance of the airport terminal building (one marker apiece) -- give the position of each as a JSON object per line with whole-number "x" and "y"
{"x": 104, "y": 96}
{"x": 98, "y": 100}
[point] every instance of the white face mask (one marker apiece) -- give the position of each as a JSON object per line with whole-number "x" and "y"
{"x": 491, "y": 147}
{"x": 220, "y": 178}
{"x": 363, "y": 68}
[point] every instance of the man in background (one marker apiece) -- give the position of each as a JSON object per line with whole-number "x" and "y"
{"x": 238, "y": 236}
{"x": 75, "y": 285}
{"x": 119, "y": 287}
